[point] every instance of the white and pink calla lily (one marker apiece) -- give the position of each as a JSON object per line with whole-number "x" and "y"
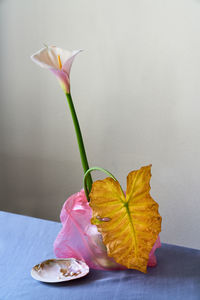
{"x": 57, "y": 60}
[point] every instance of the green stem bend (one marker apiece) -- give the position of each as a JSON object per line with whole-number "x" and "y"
{"x": 88, "y": 174}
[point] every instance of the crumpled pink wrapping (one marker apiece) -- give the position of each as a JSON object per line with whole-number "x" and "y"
{"x": 80, "y": 239}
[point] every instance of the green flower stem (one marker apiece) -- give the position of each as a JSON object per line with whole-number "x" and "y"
{"x": 80, "y": 140}
{"x": 88, "y": 174}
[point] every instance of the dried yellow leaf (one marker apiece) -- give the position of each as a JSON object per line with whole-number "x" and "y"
{"x": 129, "y": 224}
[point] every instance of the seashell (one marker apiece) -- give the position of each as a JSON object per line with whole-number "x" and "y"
{"x": 59, "y": 270}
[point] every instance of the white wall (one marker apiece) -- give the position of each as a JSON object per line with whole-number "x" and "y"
{"x": 137, "y": 93}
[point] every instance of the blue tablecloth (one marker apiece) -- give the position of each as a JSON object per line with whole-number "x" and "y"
{"x": 26, "y": 241}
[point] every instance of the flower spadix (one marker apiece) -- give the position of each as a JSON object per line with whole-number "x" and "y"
{"x": 58, "y": 61}
{"x": 129, "y": 224}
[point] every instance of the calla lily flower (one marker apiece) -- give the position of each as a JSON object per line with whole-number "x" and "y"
{"x": 58, "y": 61}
